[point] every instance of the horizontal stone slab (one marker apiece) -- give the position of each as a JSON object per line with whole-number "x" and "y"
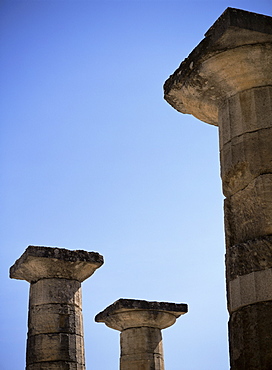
{"x": 124, "y": 304}
{"x": 244, "y": 158}
{"x": 250, "y": 289}
{"x": 248, "y": 213}
{"x": 46, "y": 262}
{"x": 244, "y": 258}
{"x": 128, "y": 313}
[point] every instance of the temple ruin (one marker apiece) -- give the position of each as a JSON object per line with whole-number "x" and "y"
{"x": 226, "y": 81}
{"x": 55, "y": 324}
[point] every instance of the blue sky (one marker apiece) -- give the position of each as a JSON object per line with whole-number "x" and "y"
{"x": 93, "y": 158}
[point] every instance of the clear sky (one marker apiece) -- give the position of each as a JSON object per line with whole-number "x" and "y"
{"x": 93, "y": 158}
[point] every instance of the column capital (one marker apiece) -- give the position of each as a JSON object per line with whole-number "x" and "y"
{"x": 38, "y": 263}
{"x": 131, "y": 313}
{"x": 234, "y": 56}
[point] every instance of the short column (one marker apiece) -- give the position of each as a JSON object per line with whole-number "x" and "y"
{"x": 55, "y": 328}
{"x": 140, "y": 323}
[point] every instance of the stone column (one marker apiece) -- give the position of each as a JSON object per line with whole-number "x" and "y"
{"x": 140, "y": 323}
{"x": 227, "y": 81}
{"x": 55, "y": 328}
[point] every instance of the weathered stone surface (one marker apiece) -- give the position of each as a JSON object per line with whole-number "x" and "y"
{"x": 55, "y": 347}
{"x": 141, "y": 348}
{"x": 228, "y": 60}
{"x": 56, "y": 366}
{"x": 245, "y": 112}
{"x": 250, "y": 346}
{"x": 55, "y": 318}
{"x": 56, "y": 291}
{"x": 140, "y": 323}
{"x": 244, "y": 158}
{"x": 55, "y": 327}
{"x": 45, "y": 262}
{"x": 245, "y": 130}
{"x": 244, "y": 258}
{"x": 227, "y": 81}
{"x": 147, "y": 338}
{"x": 136, "y": 318}
{"x": 248, "y": 213}
{"x": 249, "y": 289}
{"x": 154, "y": 363}
{"x": 127, "y": 313}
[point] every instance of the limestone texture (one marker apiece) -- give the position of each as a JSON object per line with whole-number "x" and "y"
{"x": 141, "y": 348}
{"x": 248, "y": 213}
{"x": 250, "y": 289}
{"x": 251, "y": 256}
{"x": 45, "y": 262}
{"x": 140, "y": 323}
{"x": 252, "y": 343}
{"x": 56, "y": 366}
{"x": 228, "y": 60}
{"x": 55, "y": 324}
{"x": 245, "y": 138}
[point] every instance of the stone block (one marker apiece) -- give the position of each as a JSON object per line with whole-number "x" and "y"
{"x": 56, "y": 366}
{"x": 55, "y": 347}
{"x": 155, "y": 362}
{"x": 61, "y": 291}
{"x": 245, "y": 112}
{"x": 248, "y": 213}
{"x": 250, "y": 289}
{"x": 141, "y": 348}
{"x": 244, "y": 158}
{"x": 250, "y": 337}
{"x": 55, "y": 318}
{"x": 142, "y": 340}
{"x": 244, "y": 258}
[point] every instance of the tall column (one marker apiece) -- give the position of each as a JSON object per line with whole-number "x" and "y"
{"x": 227, "y": 81}
{"x": 55, "y": 327}
{"x": 140, "y": 323}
